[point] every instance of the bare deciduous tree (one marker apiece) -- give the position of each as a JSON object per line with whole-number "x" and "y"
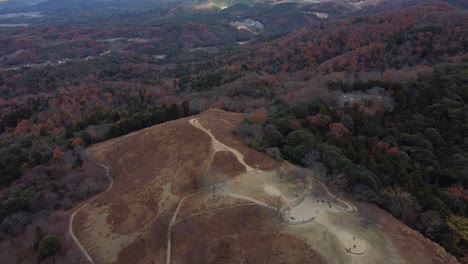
{"x": 311, "y": 158}
{"x": 278, "y": 205}
{"x": 214, "y": 180}
{"x": 281, "y": 172}
{"x": 291, "y": 175}
{"x": 312, "y": 161}
{"x": 367, "y": 214}
{"x": 296, "y": 175}
{"x": 46, "y": 200}
{"x": 274, "y": 153}
{"x": 404, "y": 206}
{"x": 318, "y": 191}
{"x": 15, "y": 224}
{"x": 432, "y": 221}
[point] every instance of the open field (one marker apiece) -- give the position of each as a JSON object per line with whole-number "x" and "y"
{"x": 156, "y": 212}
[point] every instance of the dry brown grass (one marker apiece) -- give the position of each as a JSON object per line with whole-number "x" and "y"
{"x": 153, "y": 168}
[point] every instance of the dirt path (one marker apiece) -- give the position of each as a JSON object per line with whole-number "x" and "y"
{"x": 304, "y": 212}
{"x": 172, "y": 223}
{"x": 354, "y": 241}
{"x": 179, "y": 205}
{"x": 247, "y": 198}
{"x": 70, "y": 225}
{"x": 215, "y": 210}
{"x": 332, "y": 231}
{"x": 218, "y": 146}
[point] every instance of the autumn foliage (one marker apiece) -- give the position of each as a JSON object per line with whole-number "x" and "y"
{"x": 58, "y": 154}
{"x": 338, "y": 129}
{"x": 384, "y": 147}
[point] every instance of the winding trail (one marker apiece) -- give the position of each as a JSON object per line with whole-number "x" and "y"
{"x": 247, "y": 198}
{"x": 218, "y": 146}
{"x": 172, "y": 223}
{"x": 174, "y": 217}
{"x": 72, "y": 217}
{"x": 215, "y": 210}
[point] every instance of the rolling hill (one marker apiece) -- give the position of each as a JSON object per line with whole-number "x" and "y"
{"x": 158, "y": 210}
{"x": 375, "y": 93}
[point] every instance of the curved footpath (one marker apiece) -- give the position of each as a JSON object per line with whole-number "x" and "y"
{"x": 218, "y": 146}
{"x": 72, "y": 217}
{"x": 215, "y": 210}
{"x": 173, "y": 222}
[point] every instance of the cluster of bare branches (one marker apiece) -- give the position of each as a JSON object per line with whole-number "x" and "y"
{"x": 213, "y": 179}
{"x": 367, "y": 214}
{"x": 279, "y": 207}
{"x": 292, "y": 175}
{"x": 312, "y": 161}
{"x": 317, "y": 191}
{"x": 403, "y": 205}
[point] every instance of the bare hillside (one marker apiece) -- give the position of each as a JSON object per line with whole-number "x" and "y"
{"x": 189, "y": 191}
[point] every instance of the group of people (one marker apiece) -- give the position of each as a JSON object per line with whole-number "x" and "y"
{"x": 349, "y": 250}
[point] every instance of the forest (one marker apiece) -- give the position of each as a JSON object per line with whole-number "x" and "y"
{"x": 65, "y": 87}
{"x": 411, "y": 161}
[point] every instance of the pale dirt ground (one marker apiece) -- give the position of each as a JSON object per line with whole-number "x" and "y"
{"x": 204, "y": 201}
{"x": 255, "y": 185}
{"x": 153, "y": 168}
{"x": 332, "y": 230}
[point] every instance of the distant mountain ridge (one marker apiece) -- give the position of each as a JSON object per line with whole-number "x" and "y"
{"x": 19, "y": 3}
{"x": 342, "y": 6}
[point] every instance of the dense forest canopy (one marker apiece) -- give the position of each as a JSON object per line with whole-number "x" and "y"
{"x": 412, "y": 161}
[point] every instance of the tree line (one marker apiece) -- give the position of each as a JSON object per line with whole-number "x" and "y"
{"x": 410, "y": 161}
